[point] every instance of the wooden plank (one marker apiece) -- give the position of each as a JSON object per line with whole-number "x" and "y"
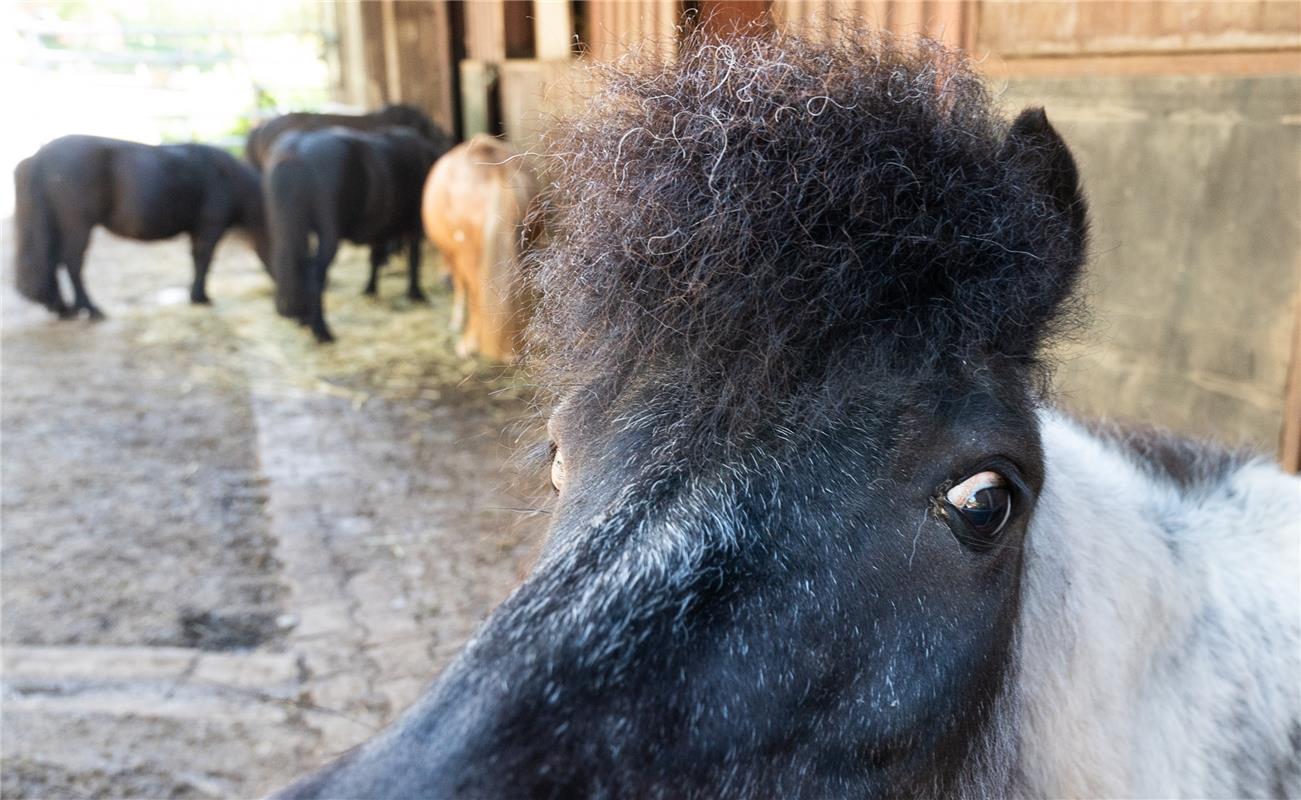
{"x": 600, "y": 24}
{"x": 1286, "y": 62}
{"x": 668, "y": 15}
{"x": 614, "y": 27}
{"x": 517, "y": 29}
{"x": 1290, "y": 447}
{"x": 485, "y": 30}
{"x": 372, "y": 24}
{"x": 392, "y": 70}
{"x": 478, "y": 88}
{"x": 724, "y": 17}
{"x": 425, "y": 59}
{"x": 907, "y": 17}
{"x": 553, "y": 29}
{"x": 533, "y": 93}
{"x": 1080, "y": 27}
{"x": 946, "y": 22}
{"x": 352, "y": 54}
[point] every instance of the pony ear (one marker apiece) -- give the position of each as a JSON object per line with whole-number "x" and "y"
{"x": 1038, "y": 160}
{"x": 1035, "y": 145}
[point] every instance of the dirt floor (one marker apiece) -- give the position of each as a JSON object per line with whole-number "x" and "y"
{"x": 227, "y": 552}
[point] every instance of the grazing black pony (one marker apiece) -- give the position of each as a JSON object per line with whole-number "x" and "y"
{"x": 338, "y": 184}
{"x": 138, "y": 191}
{"x": 263, "y": 137}
{"x": 817, "y": 534}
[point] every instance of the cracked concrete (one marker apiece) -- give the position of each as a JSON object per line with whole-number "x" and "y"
{"x": 228, "y": 553}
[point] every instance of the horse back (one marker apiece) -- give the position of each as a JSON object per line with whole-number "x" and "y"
{"x": 74, "y": 175}
{"x": 263, "y": 137}
{"x": 375, "y": 179}
{"x": 396, "y": 164}
{"x": 158, "y": 193}
{"x": 135, "y": 190}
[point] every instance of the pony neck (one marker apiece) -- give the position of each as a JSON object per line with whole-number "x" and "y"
{"x": 1144, "y": 657}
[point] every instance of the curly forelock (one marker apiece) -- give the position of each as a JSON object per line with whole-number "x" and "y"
{"x": 765, "y": 211}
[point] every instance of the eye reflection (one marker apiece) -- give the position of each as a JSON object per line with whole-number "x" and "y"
{"x": 984, "y": 502}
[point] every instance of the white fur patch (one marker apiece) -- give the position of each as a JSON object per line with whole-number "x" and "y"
{"x": 1159, "y": 645}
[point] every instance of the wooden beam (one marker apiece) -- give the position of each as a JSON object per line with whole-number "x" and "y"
{"x": 352, "y": 53}
{"x": 1285, "y": 62}
{"x": 553, "y": 29}
{"x": 392, "y": 72}
{"x": 372, "y": 27}
{"x": 946, "y": 21}
{"x": 1290, "y": 447}
{"x": 485, "y": 31}
{"x": 426, "y": 60}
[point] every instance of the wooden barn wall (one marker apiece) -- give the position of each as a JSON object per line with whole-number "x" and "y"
{"x": 408, "y": 55}
{"x": 370, "y": 17}
{"x": 946, "y": 20}
{"x": 485, "y": 30}
{"x": 1023, "y": 29}
{"x": 615, "y": 27}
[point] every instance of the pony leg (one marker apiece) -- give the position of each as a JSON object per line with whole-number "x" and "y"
{"x": 54, "y": 292}
{"x": 414, "y": 293}
{"x": 378, "y": 257}
{"x": 74, "y": 256}
{"x": 458, "y": 306}
{"x": 471, "y": 304}
{"x": 202, "y": 245}
{"x": 327, "y": 245}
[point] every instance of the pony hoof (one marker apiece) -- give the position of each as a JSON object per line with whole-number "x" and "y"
{"x": 369, "y": 291}
{"x": 200, "y": 299}
{"x": 417, "y": 297}
{"x": 95, "y": 315}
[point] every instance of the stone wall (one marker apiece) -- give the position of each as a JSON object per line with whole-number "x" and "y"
{"x": 1196, "y": 201}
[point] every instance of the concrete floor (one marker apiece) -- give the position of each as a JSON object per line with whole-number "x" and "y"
{"x": 228, "y": 552}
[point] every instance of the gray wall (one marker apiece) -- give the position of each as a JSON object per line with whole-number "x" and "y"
{"x": 1195, "y": 189}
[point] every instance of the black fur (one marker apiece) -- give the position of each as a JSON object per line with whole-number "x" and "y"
{"x": 261, "y": 139}
{"x": 795, "y": 290}
{"x": 764, "y": 214}
{"x": 339, "y": 184}
{"x": 134, "y": 190}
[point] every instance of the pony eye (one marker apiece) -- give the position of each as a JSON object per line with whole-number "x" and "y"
{"x": 984, "y": 502}
{"x": 557, "y": 469}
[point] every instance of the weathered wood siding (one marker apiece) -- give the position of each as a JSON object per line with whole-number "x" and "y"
{"x": 408, "y": 56}
{"x": 615, "y": 27}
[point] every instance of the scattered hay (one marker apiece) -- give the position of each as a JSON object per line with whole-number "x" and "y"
{"x": 388, "y": 346}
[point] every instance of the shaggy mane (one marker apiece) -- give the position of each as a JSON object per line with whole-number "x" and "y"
{"x": 767, "y": 213}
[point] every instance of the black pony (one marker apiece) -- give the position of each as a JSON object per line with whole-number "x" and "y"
{"x": 339, "y": 184}
{"x": 816, "y": 533}
{"x": 262, "y": 138}
{"x": 139, "y": 191}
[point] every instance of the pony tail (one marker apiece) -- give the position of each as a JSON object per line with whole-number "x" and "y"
{"x": 35, "y": 275}
{"x": 506, "y": 305}
{"x": 288, "y": 201}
